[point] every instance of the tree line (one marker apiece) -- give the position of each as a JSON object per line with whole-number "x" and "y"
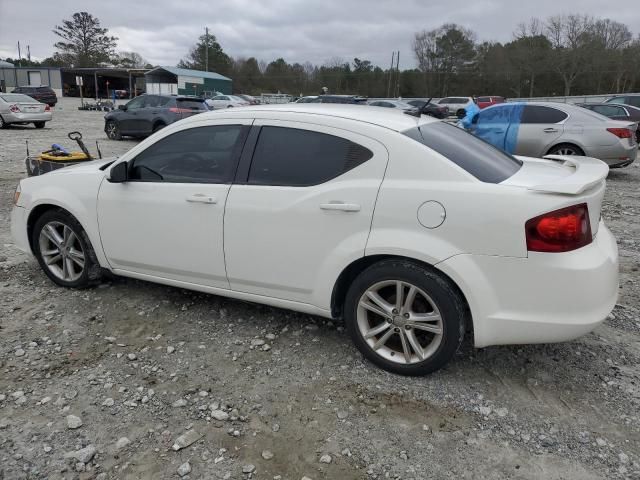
{"x": 561, "y": 55}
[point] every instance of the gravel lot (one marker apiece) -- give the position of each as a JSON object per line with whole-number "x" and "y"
{"x": 116, "y": 381}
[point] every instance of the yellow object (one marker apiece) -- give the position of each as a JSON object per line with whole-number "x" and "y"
{"x": 72, "y": 157}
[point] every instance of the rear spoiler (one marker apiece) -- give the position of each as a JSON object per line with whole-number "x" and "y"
{"x": 588, "y": 173}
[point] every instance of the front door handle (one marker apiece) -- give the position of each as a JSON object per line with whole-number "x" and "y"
{"x": 550, "y": 130}
{"x": 344, "y": 207}
{"x": 201, "y": 198}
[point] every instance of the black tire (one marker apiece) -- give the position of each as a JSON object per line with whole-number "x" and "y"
{"x": 38, "y": 124}
{"x": 112, "y": 129}
{"x": 451, "y": 306}
{"x": 91, "y": 272}
{"x": 158, "y": 126}
{"x": 3, "y": 124}
{"x": 563, "y": 147}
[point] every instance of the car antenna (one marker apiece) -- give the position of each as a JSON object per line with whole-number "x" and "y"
{"x": 419, "y": 111}
{"x": 98, "y": 149}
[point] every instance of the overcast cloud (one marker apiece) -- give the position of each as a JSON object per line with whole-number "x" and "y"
{"x": 162, "y": 31}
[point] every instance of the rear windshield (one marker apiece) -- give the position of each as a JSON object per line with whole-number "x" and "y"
{"x": 479, "y": 158}
{"x": 192, "y": 104}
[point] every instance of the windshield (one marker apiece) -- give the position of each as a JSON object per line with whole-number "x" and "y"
{"x": 17, "y": 97}
{"x": 479, "y": 158}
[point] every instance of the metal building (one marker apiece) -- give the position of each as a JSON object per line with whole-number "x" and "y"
{"x": 12, "y": 77}
{"x": 182, "y": 81}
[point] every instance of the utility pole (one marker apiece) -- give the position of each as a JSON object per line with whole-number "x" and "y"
{"x": 28, "y": 53}
{"x": 397, "y": 75}
{"x": 19, "y": 56}
{"x": 206, "y": 48}
{"x": 393, "y": 56}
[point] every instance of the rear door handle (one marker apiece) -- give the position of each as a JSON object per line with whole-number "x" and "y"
{"x": 550, "y": 130}
{"x": 201, "y": 198}
{"x": 344, "y": 207}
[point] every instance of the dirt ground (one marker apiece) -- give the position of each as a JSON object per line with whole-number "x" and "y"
{"x": 102, "y": 383}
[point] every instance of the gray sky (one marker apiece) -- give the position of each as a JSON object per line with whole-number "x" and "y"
{"x": 162, "y": 31}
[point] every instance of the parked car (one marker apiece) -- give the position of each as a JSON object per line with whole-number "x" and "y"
{"x": 147, "y": 114}
{"x": 18, "y": 109}
{"x": 225, "y": 101}
{"x": 548, "y": 128}
{"x": 42, "y": 93}
{"x": 353, "y": 99}
{"x": 250, "y": 99}
{"x": 484, "y": 102}
{"x": 391, "y": 104}
{"x": 432, "y": 109}
{"x": 456, "y": 105}
{"x": 616, "y": 112}
{"x": 408, "y": 228}
{"x": 628, "y": 99}
{"x": 308, "y": 99}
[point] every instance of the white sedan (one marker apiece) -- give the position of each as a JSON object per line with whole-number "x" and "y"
{"x": 411, "y": 230}
{"x": 225, "y": 101}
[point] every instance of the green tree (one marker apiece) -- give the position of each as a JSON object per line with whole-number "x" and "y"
{"x": 219, "y": 61}
{"x": 84, "y": 42}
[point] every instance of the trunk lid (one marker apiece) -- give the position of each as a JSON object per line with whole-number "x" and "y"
{"x": 580, "y": 178}
{"x": 31, "y": 107}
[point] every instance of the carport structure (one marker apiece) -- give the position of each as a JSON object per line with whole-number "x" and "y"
{"x": 100, "y": 82}
{"x": 183, "y": 81}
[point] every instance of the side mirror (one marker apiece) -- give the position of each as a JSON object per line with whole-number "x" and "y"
{"x": 119, "y": 173}
{"x": 122, "y": 107}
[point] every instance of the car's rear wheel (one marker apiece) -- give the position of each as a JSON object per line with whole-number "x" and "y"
{"x": 158, "y": 126}
{"x": 565, "y": 149}
{"x": 113, "y": 130}
{"x": 3, "y": 124}
{"x": 38, "y": 124}
{"x": 64, "y": 251}
{"x": 405, "y": 318}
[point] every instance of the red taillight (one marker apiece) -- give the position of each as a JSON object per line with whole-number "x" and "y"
{"x": 47, "y": 108}
{"x": 180, "y": 110}
{"x": 14, "y": 108}
{"x": 559, "y": 231}
{"x": 620, "y": 132}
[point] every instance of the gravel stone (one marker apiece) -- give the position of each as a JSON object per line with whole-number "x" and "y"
{"x": 184, "y": 469}
{"x": 73, "y": 422}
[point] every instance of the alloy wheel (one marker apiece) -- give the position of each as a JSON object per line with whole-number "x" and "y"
{"x": 400, "y": 322}
{"x": 112, "y": 130}
{"x": 566, "y": 151}
{"x": 62, "y": 251}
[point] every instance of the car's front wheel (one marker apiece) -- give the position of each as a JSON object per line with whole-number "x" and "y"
{"x": 113, "y": 130}
{"x": 64, "y": 251}
{"x": 405, "y": 318}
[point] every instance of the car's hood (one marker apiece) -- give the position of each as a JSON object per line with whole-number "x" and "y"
{"x": 83, "y": 167}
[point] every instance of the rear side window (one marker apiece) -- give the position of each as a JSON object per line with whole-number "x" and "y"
{"x": 191, "y": 104}
{"x": 541, "y": 114}
{"x": 479, "y": 158}
{"x": 484, "y": 99}
{"x": 609, "y": 110}
{"x": 635, "y": 101}
{"x": 300, "y": 158}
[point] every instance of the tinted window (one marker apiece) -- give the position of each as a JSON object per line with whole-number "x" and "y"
{"x": 484, "y": 99}
{"x": 608, "y": 110}
{"x": 480, "y": 159}
{"x": 635, "y": 101}
{"x": 137, "y": 102}
{"x": 293, "y": 157}
{"x": 196, "y": 155}
{"x": 541, "y": 114}
{"x": 191, "y": 104}
{"x": 454, "y": 100}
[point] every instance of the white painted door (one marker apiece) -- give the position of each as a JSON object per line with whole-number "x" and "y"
{"x": 306, "y": 209}
{"x": 167, "y": 220}
{"x": 35, "y": 78}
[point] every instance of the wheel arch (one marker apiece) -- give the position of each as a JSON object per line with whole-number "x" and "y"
{"x": 351, "y": 271}
{"x": 569, "y": 144}
{"x": 37, "y": 212}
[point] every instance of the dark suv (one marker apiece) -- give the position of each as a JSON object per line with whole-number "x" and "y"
{"x": 42, "y": 94}
{"x": 354, "y": 99}
{"x": 149, "y": 113}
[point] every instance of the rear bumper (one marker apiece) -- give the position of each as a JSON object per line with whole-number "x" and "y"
{"x": 544, "y": 298}
{"x": 26, "y": 117}
{"x": 618, "y": 156}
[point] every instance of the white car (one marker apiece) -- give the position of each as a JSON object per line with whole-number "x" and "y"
{"x": 456, "y": 105}
{"x": 412, "y": 230}
{"x": 225, "y": 101}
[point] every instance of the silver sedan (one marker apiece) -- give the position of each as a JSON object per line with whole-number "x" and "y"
{"x": 16, "y": 108}
{"x": 537, "y": 129}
